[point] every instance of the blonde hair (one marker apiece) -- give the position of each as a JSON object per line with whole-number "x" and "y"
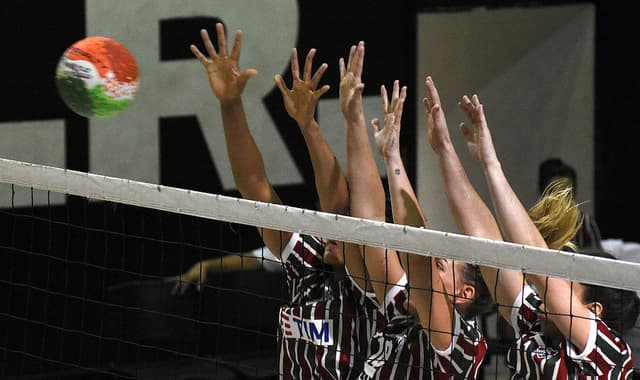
{"x": 556, "y": 215}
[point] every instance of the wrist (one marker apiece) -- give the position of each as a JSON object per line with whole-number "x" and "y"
{"x": 393, "y": 160}
{"x": 230, "y": 103}
{"x": 492, "y": 165}
{"x": 354, "y": 117}
{"x": 444, "y": 150}
{"x": 308, "y": 126}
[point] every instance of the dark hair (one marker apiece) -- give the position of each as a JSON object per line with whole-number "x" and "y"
{"x": 482, "y": 303}
{"x": 553, "y": 168}
{"x": 620, "y": 307}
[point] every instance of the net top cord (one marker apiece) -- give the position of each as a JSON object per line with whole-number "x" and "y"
{"x": 504, "y": 255}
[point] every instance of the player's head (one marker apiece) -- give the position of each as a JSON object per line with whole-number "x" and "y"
{"x": 552, "y": 169}
{"x": 481, "y": 303}
{"x": 464, "y": 285}
{"x": 618, "y": 308}
{"x": 558, "y": 219}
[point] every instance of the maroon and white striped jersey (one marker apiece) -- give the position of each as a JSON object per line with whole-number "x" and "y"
{"x": 606, "y": 355}
{"x": 401, "y": 349}
{"x": 326, "y": 328}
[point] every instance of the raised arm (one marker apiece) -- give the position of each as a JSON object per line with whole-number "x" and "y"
{"x": 563, "y": 305}
{"x": 227, "y": 84}
{"x": 428, "y": 296}
{"x": 404, "y": 203}
{"x": 365, "y": 187}
{"x": 301, "y": 101}
{"x": 470, "y": 212}
{"x": 257, "y": 259}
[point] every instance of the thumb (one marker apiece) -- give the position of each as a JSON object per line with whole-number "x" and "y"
{"x": 466, "y": 132}
{"x": 247, "y": 74}
{"x": 375, "y": 126}
{"x": 280, "y": 84}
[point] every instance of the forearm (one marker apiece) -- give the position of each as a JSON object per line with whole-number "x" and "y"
{"x": 407, "y": 211}
{"x": 473, "y": 218}
{"x": 513, "y": 218}
{"x": 366, "y": 195}
{"x": 366, "y": 192}
{"x": 404, "y": 203}
{"x": 231, "y": 263}
{"x": 246, "y": 161}
{"x": 331, "y": 183}
{"x": 248, "y": 169}
{"x": 470, "y": 212}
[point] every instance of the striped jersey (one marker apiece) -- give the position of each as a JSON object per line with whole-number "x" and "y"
{"x": 606, "y": 355}
{"x": 326, "y": 328}
{"x": 401, "y": 349}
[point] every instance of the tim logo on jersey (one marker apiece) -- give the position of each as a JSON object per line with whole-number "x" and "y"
{"x": 316, "y": 331}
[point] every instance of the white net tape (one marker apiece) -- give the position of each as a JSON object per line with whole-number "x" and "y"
{"x": 582, "y": 268}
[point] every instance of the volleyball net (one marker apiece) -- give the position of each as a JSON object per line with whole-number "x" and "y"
{"x": 91, "y": 264}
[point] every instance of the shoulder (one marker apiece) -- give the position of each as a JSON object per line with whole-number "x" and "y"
{"x": 303, "y": 249}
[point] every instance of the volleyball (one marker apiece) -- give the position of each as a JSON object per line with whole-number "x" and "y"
{"x": 97, "y": 77}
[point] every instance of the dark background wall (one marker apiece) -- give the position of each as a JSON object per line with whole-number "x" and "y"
{"x": 33, "y": 36}
{"x": 82, "y": 287}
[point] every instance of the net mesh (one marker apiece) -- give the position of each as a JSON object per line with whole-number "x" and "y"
{"x": 89, "y": 288}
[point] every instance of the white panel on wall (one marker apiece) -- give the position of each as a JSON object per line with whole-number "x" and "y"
{"x": 533, "y": 69}
{"x": 40, "y": 142}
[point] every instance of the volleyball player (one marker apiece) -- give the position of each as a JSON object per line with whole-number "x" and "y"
{"x": 569, "y": 334}
{"x": 447, "y": 347}
{"x": 326, "y": 326}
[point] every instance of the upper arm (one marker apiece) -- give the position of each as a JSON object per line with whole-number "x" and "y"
{"x": 261, "y": 190}
{"x": 275, "y": 240}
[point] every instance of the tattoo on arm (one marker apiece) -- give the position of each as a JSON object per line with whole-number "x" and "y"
{"x": 397, "y": 171}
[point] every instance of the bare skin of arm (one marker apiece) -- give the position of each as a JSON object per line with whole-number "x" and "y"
{"x": 365, "y": 188}
{"x": 565, "y": 308}
{"x": 470, "y": 212}
{"x": 198, "y": 273}
{"x": 428, "y": 298}
{"x": 301, "y": 101}
{"x": 247, "y": 165}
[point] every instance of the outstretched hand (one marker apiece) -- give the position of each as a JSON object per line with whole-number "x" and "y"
{"x": 225, "y": 78}
{"x": 196, "y": 275}
{"x": 301, "y": 100}
{"x": 437, "y": 129}
{"x": 478, "y": 137}
{"x": 351, "y": 85}
{"x": 388, "y": 138}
